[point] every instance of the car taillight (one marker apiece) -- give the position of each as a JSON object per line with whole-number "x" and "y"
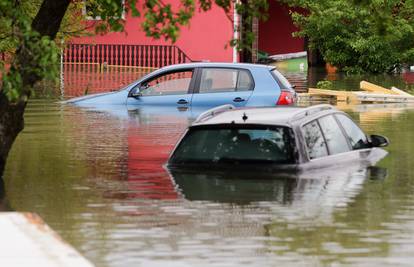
{"x": 286, "y": 98}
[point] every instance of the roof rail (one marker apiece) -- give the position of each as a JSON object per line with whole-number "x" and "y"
{"x": 310, "y": 110}
{"x": 213, "y": 112}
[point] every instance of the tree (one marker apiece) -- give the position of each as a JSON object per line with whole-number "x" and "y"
{"x": 33, "y": 52}
{"x": 29, "y": 28}
{"x": 359, "y": 35}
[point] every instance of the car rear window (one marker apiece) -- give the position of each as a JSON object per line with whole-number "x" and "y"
{"x": 232, "y": 144}
{"x": 281, "y": 80}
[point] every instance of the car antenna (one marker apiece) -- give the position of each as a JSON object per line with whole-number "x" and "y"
{"x": 245, "y": 117}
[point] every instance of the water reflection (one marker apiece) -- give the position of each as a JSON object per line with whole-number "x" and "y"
{"x": 373, "y": 113}
{"x": 294, "y": 189}
{"x": 342, "y": 81}
{"x": 150, "y": 114}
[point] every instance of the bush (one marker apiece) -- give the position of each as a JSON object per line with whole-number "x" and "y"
{"x": 324, "y": 85}
{"x": 359, "y": 36}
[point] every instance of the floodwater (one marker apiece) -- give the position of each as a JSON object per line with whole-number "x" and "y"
{"x": 97, "y": 178}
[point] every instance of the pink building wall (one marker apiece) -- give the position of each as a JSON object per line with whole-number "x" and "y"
{"x": 205, "y": 38}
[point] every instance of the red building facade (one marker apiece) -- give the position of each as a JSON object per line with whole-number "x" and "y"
{"x": 208, "y": 35}
{"x": 275, "y": 34}
{"x": 205, "y": 38}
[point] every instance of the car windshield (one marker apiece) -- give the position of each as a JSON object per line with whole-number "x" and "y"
{"x": 232, "y": 144}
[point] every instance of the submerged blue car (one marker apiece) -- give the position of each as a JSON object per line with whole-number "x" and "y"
{"x": 202, "y": 84}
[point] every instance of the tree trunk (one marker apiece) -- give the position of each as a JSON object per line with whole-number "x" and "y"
{"x": 4, "y": 204}
{"x": 11, "y": 123}
{"x": 315, "y": 58}
{"x": 47, "y": 23}
{"x": 246, "y": 27}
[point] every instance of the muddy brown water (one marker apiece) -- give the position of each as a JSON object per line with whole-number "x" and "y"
{"x": 97, "y": 178}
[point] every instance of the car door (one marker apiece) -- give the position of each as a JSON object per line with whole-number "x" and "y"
{"x": 219, "y": 86}
{"x": 172, "y": 88}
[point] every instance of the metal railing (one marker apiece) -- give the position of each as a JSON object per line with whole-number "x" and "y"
{"x": 94, "y": 68}
{"x": 145, "y": 56}
{"x": 84, "y": 79}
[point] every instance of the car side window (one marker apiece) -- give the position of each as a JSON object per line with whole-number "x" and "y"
{"x": 172, "y": 83}
{"x": 355, "y": 135}
{"x": 244, "y": 81}
{"x": 314, "y": 140}
{"x": 334, "y": 136}
{"x": 215, "y": 80}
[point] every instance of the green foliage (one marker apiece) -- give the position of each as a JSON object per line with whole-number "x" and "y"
{"x": 162, "y": 20}
{"x": 249, "y": 10}
{"x": 359, "y": 36}
{"x": 42, "y": 51}
{"x": 23, "y": 11}
{"x": 324, "y": 84}
{"x": 16, "y": 33}
{"x": 109, "y": 12}
{"x": 43, "y": 65}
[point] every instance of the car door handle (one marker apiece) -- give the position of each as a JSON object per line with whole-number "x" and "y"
{"x": 238, "y": 99}
{"x": 182, "y": 102}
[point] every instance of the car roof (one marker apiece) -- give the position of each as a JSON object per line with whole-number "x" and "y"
{"x": 285, "y": 116}
{"x": 184, "y": 66}
{"x": 217, "y": 65}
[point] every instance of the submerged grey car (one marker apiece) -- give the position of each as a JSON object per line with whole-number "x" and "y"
{"x": 291, "y": 138}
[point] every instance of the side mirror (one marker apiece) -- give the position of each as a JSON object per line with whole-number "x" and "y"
{"x": 379, "y": 141}
{"x": 135, "y": 92}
